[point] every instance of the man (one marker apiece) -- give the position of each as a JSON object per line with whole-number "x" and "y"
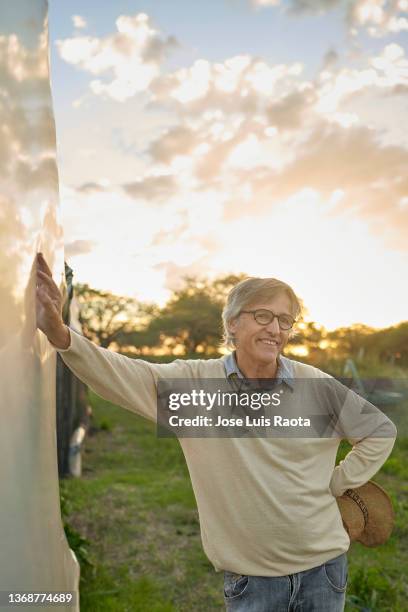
{"x": 267, "y": 506}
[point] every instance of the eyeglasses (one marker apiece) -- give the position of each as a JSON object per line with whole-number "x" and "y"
{"x": 264, "y": 317}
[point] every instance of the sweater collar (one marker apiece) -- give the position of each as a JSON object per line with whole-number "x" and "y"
{"x": 285, "y": 372}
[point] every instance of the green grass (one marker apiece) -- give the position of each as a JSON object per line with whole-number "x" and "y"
{"x": 135, "y": 506}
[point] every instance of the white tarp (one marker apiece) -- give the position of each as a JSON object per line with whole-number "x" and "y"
{"x": 34, "y": 553}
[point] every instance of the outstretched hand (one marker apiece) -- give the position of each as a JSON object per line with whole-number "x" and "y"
{"x": 49, "y": 303}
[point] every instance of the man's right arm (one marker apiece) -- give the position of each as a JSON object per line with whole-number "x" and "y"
{"x": 60, "y": 339}
{"x": 130, "y": 383}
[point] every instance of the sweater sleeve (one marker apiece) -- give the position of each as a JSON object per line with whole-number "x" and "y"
{"x": 129, "y": 383}
{"x": 372, "y": 435}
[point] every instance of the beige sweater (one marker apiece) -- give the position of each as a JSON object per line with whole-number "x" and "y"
{"x": 267, "y": 506}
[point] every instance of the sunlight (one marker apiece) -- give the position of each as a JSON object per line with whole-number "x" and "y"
{"x": 271, "y": 162}
{"x": 298, "y": 350}
{"x": 246, "y": 154}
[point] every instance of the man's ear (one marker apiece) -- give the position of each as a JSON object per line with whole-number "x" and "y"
{"x": 232, "y": 325}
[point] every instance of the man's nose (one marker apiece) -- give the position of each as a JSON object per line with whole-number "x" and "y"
{"x": 273, "y": 326}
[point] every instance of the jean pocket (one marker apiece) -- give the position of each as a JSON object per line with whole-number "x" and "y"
{"x": 336, "y": 572}
{"x": 235, "y": 585}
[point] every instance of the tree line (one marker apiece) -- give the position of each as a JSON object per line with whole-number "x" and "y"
{"x": 190, "y": 324}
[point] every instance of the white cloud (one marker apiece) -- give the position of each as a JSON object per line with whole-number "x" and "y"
{"x": 243, "y": 146}
{"x": 385, "y": 72}
{"x": 377, "y": 17}
{"x": 129, "y": 59}
{"x": 19, "y": 66}
{"x": 179, "y": 140}
{"x": 252, "y": 136}
{"x": 79, "y": 22}
{"x": 152, "y": 188}
{"x": 392, "y": 66}
{"x": 91, "y": 187}
{"x": 239, "y": 84}
{"x": 266, "y": 2}
{"x": 79, "y": 247}
{"x": 27, "y": 133}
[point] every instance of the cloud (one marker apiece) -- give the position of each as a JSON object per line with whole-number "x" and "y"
{"x": 179, "y": 140}
{"x": 293, "y": 135}
{"x": 20, "y": 68}
{"x": 253, "y": 135}
{"x": 377, "y": 17}
{"x": 386, "y": 73}
{"x": 368, "y": 178}
{"x": 265, "y": 2}
{"x": 22, "y": 130}
{"x": 23, "y": 76}
{"x": 174, "y": 274}
{"x": 156, "y": 188}
{"x": 14, "y": 241}
{"x": 130, "y": 58}
{"x": 175, "y": 269}
{"x": 79, "y": 22}
{"x": 392, "y": 66}
{"x": 156, "y": 49}
{"x": 331, "y": 57}
{"x": 314, "y": 6}
{"x": 90, "y": 187}
{"x": 210, "y": 165}
{"x": 345, "y": 159}
{"x": 27, "y": 162}
{"x": 79, "y": 247}
{"x": 235, "y": 84}
{"x": 27, "y": 130}
{"x": 39, "y": 176}
{"x": 221, "y": 105}
{"x": 289, "y": 111}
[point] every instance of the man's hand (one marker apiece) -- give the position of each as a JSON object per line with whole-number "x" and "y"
{"x": 49, "y": 304}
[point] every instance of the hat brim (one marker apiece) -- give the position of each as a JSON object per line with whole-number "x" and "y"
{"x": 381, "y": 516}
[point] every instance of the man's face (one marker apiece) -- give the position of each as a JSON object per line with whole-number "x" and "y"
{"x": 261, "y": 343}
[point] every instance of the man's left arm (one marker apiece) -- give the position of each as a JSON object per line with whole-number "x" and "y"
{"x": 372, "y": 435}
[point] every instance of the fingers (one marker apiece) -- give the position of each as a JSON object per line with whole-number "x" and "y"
{"x": 43, "y": 296}
{"x": 47, "y": 280}
{"x": 45, "y": 283}
{"x": 43, "y": 264}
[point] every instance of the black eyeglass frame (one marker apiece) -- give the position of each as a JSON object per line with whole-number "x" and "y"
{"x": 273, "y": 317}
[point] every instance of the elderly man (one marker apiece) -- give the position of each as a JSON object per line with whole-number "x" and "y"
{"x": 267, "y": 506}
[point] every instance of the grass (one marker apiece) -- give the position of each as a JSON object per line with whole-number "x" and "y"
{"x": 136, "y": 508}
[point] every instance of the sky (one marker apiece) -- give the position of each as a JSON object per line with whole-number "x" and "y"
{"x": 263, "y": 137}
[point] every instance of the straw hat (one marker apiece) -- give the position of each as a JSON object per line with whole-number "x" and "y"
{"x": 367, "y": 514}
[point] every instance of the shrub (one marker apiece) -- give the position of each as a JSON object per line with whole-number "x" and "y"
{"x": 78, "y": 544}
{"x": 371, "y": 591}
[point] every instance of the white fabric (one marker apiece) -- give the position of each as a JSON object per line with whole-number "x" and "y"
{"x": 34, "y": 553}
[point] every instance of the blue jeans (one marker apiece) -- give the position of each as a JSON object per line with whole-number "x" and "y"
{"x": 320, "y": 589}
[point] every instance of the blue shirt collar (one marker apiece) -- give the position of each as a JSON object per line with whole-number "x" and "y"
{"x": 285, "y": 371}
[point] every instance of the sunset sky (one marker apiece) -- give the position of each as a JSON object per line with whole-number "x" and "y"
{"x": 266, "y": 137}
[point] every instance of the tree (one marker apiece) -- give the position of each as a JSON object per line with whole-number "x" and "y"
{"x": 105, "y": 317}
{"x": 192, "y": 316}
{"x": 348, "y": 341}
{"x": 390, "y": 344}
{"x": 308, "y": 337}
{"x": 191, "y": 319}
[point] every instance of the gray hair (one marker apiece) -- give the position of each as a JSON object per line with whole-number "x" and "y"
{"x": 249, "y": 291}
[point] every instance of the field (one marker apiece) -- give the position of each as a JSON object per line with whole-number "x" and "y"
{"x": 135, "y": 507}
